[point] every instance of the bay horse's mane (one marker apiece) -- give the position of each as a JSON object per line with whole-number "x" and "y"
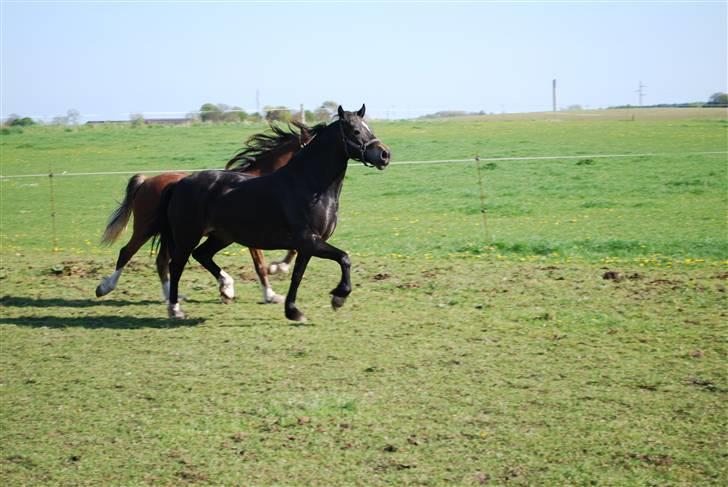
{"x": 260, "y": 146}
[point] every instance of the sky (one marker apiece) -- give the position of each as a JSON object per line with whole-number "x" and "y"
{"x": 167, "y": 58}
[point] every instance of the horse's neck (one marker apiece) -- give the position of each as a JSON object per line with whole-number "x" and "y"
{"x": 323, "y": 162}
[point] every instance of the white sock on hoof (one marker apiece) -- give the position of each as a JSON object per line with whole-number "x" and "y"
{"x": 175, "y": 311}
{"x": 269, "y": 296}
{"x": 227, "y": 285}
{"x": 108, "y": 284}
{"x": 278, "y": 268}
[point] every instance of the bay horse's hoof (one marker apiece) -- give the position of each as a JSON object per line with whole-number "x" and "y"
{"x": 175, "y": 311}
{"x": 270, "y": 297}
{"x": 278, "y": 267}
{"x": 337, "y": 302}
{"x": 104, "y": 287}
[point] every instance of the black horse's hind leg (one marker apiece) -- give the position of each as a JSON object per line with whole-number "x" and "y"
{"x": 292, "y": 312}
{"x": 180, "y": 255}
{"x": 204, "y": 254}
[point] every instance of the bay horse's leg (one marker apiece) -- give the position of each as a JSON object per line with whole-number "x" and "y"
{"x": 108, "y": 283}
{"x": 269, "y": 296}
{"x": 204, "y": 254}
{"x": 292, "y": 312}
{"x": 282, "y": 266}
{"x": 163, "y": 270}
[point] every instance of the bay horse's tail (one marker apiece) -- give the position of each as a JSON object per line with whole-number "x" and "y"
{"x": 120, "y": 217}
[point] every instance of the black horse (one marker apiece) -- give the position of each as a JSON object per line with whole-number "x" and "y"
{"x": 294, "y": 208}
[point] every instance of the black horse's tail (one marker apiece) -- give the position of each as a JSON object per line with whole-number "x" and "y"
{"x": 120, "y": 217}
{"x": 165, "y": 241}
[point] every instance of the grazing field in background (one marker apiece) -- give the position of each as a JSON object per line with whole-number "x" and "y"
{"x": 579, "y": 337}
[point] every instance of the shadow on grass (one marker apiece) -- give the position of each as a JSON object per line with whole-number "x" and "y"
{"x": 28, "y": 302}
{"x": 97, "y": 322}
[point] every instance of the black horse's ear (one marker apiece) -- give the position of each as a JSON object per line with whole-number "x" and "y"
{"x": 341, "y": 112}
{"x": 362, "y": 110}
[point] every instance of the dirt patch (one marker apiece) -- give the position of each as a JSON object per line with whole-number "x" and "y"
{"x": 612, "y": 276}
{"x": 657, "y": 460}
{"x": 706, "y": 384}
{"x": 381, "y": 276}
{"x": 73, "y": 269}
{"x": 666, "y": 282}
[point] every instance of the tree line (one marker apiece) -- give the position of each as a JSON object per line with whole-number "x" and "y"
{"x": 220, "y": 112}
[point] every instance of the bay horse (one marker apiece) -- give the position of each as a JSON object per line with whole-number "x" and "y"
{"x": 262, "y": 154}
{"x": 294, "y": 208}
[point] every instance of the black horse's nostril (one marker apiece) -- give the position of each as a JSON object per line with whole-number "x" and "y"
{"x": 385, "y": 155}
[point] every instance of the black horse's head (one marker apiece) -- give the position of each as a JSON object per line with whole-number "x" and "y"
{"x": 359, "y": 140}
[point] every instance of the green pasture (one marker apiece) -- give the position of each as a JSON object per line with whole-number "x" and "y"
{"x": 575, "y": 335}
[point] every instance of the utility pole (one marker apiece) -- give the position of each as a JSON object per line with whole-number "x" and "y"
{"x": 553, "y": 94}
{"x": 257, "y": 100}
{"x": 641, "y": 92}
{"x": 303, "y": 114}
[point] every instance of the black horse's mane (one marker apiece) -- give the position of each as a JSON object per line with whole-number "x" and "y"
{"x": 266, "y": 144}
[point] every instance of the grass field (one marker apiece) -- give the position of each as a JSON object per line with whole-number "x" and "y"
{"x": 579, "y": 338}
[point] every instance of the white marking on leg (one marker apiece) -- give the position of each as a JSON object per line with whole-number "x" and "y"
{"x": 175, "y": 311}
{"x": 108, "y": 284}
{"x": 227, "y": 285}
{"x": 278, "y": 267}
{"x": 269, "y": 296}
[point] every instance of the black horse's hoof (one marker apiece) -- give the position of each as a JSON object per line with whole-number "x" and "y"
{"x": 337, "y": 302}
{"x": 294, "y": 314}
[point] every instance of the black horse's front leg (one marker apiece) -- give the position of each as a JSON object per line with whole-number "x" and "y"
{"x": 292, "y": 312}
{"x": 325, "y": 250}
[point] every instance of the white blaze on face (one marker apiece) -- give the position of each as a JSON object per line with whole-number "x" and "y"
{"x": 367, "y": 127}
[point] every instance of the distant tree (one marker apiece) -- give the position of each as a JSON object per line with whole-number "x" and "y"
{"x": 11, "y": 118}
{"x": 17, "y": 121}
{"x": 137, "y": 119}
{"x": 73, "y": 116}
{"x": 60, "y": 120}
{"x": 277, "y": 114}
{"x": 321, "y": 114}
{"x": 235, "y": 114}
{"x": 718, "y": 99}
{"x": 255, "y": 117}
{"x": 209, "y": 112}
{"x": 326, "y": 111}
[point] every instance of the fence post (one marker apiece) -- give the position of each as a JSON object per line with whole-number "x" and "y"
{"x": 53, "y": 209}
{"x": 483, "y": 209}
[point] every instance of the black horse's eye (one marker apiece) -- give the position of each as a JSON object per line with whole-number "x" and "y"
{"x": 357, "y": 132}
